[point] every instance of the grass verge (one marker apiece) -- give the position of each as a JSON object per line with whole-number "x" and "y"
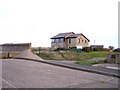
{"x": 72, "y": 55}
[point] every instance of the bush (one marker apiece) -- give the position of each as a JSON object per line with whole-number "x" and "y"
{"x": 75, "y": 49}
{"x": 98, "y": 49}
{"x": 86, "y": 49}
{"x": 60, "y": 49}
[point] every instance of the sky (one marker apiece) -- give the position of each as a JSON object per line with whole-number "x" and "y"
{"x": 36, "y": 21}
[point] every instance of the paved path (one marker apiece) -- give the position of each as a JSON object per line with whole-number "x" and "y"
{"x": 97, "y": 59}
{"x": 18, "y": 73}
{"x": 101, "y": 69}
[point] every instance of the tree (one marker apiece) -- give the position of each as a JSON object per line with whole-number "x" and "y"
{"x": 111, "y": 47}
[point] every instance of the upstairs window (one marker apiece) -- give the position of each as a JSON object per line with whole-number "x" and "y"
{"x": 53, "y": 40}
{"x": 79, "y": 41}
{"x": 82, "y": 40}
{"x": 58, "y": 40}
{"x": 61, "y": 40}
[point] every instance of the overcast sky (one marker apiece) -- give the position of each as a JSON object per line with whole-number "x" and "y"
{"x": 36, "y": 21}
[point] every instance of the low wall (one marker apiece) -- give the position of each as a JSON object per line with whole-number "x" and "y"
{"x": 113, "y": 58}
{"x": 11, "y": 50}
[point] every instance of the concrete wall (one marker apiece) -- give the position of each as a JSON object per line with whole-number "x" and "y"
{"x": 15, "y": 47}
{"x": 11, "y": 50}
{"x": 113, "y": 58}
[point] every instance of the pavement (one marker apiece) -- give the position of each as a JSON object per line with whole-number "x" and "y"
{"x": 106, "y": 70}
{"x": 100, "y": 69}
{"x": 97, "y": 59}
{"x": 19, "y": 73}
{"x": 110, "y": 66}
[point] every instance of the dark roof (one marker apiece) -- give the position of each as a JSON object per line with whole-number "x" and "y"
{"x": 96, "y": 46}
{"x": 62, "y": 35}
{"x": 76, "y": 35}
{"x": 72, "y": 36}
{"x": 68, "y": 35}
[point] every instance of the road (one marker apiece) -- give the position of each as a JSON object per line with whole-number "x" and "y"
{"x": 104, "y": 69}
{"x": 18, "y": 73}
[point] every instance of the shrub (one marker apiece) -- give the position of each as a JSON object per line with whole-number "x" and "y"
{"x": 86, "y": 49}
{"x": 60, "y": 49}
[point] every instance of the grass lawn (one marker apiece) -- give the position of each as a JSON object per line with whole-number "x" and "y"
{"x": 71, "y": 55}
{"x": 79, "y": 57}
{"x": 95, "y": 54}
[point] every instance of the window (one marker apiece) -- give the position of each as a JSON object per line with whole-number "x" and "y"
{"x": 82, "y": 40}
{"x": 53, "y": 40}
{"x": 61, "y": 40}
{"x": 79, "y": 40}
{"x": 58, "y": 40}
{"x": 69, "y": 40}
{"x": 85, "y": 41}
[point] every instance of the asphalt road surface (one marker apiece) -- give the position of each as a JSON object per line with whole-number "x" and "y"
{"x": 18, "y": 73}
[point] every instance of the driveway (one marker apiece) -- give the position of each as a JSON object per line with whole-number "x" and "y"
{"x": 17, "y": 73}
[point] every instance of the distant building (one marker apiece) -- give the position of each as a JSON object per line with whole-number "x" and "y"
{"x": 10, "y": 50}
{"x": 69, "y": 40}
{"x": 97, "y": 47}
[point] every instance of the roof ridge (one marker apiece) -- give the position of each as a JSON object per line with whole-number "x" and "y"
{"x": 66, "y": 32}
{"x": 63, "y": 35}
{"x": 70, "y": 34}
